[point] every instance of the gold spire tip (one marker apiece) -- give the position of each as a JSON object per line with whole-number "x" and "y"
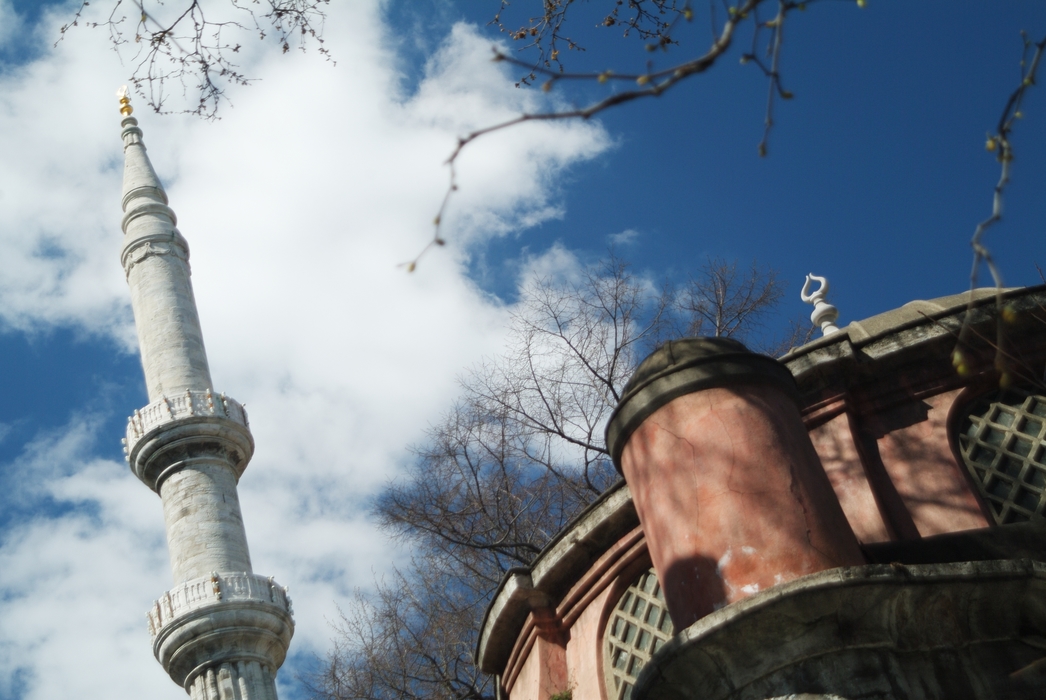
{"x": 125, "y": 101}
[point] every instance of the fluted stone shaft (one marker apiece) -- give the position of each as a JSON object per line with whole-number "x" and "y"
{"x": 222, "y": 632}
{"x": 234, "y": 681}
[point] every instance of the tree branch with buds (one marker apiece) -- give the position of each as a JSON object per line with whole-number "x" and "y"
{"x": 544, "y": 34}
{"x": 1000, "y": 144}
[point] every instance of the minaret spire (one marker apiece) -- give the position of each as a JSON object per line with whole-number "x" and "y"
{"x": 156, "y": 260}
{"x": 223, "y": 631}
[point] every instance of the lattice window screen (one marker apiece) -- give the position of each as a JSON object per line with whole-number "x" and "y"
{"x": 637, "y": 628}
{"x": 1001, "y": 441}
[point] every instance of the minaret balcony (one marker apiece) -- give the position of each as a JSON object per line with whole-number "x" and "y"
{"x": 216, "y": 589}
{"x": 176, "y": 421}
{"x": 223, "y": 621}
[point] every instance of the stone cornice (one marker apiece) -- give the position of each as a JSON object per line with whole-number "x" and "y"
{"x": 810, "y": 628}
{"x": 221, "y": 619}
{"x": 172, "y": 243}
{"x": 913, "y": 346}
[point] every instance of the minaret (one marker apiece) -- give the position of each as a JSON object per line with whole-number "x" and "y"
{"x": 222, "y": 631}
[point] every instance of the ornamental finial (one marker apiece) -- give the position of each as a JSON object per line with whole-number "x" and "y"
{"x": 125, "y": 101}
{"x": 824, "y": 314}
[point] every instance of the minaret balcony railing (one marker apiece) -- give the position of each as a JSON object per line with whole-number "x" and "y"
{"x": 213, "y": 590}
{"x": 188, "y": 405}
{"x": 155, "y": 433}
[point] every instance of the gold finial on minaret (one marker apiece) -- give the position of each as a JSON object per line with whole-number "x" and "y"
{"x": 125, "y": 101}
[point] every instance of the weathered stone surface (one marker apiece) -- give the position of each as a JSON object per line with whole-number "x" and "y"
{"x": 682, "y": 367}
{"x": 967, "y": 631}
{"x": 915, "y": 341}
{"x": 226, "y": 632}
{"x": 155, "y": 258}
{"x": 212, "y": 590}
{"x": 732, "y": 497}
{"x": 835, "y": 445}
{"x": 204, "y": 525}
{"x": 234, "y": 681}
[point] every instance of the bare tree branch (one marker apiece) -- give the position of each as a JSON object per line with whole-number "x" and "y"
{"x": 544, "y": 34}
{"x": 999, "y": 143}
{"x": 193, "y": 45}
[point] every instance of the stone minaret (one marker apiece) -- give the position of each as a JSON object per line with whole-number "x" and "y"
{"x": 222, "y": 631}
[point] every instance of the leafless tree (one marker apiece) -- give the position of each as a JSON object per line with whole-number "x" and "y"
{"x": 725, "y": 301}
{"x": 522, "y": 451}
{"x": 518, "y": 456}
{"x": 413, "y": 638}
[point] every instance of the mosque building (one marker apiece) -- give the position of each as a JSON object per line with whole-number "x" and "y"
{"x": 861, "y": 519}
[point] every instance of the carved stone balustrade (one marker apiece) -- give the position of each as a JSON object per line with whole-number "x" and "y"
{"x": 173, "y": 421}
{"x": 240, "y": 620}
{"x": 214, "y": 590}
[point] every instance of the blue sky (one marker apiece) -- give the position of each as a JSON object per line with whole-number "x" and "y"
{"x": 301, "y": 201}
{"x": 877, "y": 173}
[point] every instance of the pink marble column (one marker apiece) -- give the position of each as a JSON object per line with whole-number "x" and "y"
{"x": 728, "y": 487}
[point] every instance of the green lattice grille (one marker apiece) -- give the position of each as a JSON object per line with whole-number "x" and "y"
{"x": 638, "y": 627}
{"x": 1002, "y": 443}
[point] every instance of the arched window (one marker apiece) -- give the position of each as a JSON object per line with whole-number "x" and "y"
{"x": 637, "y": 628}
{"x": 1001, "y": 439}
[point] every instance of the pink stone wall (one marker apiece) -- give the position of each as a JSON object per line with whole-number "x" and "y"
{"x": 839, "y": 457}
{"x": 527, "y": 685}
{"x": 585, "y": 651}
{"x": 919, "y": 459}
{"x": 895, "y": 473}
{"x": 543, "y": 672}
{"x": 732, "y": 498}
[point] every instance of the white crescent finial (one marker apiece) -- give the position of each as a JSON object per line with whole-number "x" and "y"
{"x": 824, "y": 314}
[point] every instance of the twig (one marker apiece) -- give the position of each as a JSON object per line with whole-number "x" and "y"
{"x": 192, "y": 48}
{"x": 1000, "y": 142}
{"x": 649, "y": 84}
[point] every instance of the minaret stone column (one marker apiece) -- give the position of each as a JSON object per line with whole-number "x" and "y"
{"x": 223, "y": 631}
{"x": 727, "y": 485}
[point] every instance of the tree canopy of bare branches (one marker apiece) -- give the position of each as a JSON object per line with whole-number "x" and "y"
{"x": 514, "y": 460}
{"x": 191, "y": 47}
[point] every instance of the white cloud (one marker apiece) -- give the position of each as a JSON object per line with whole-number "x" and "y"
{"x": 557, "y": 264}
{"x": 298, "y": 205}
{"x": 624, "y": 238}
{"x": 74, "y": 588}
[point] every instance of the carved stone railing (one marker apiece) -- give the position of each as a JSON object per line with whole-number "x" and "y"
{"x": 191, "y": 404}
{"x": 214, "y": 590}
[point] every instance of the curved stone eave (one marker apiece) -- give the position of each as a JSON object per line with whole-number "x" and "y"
{"x": 574, "y": 549}
{"x": 811, "y": 635}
